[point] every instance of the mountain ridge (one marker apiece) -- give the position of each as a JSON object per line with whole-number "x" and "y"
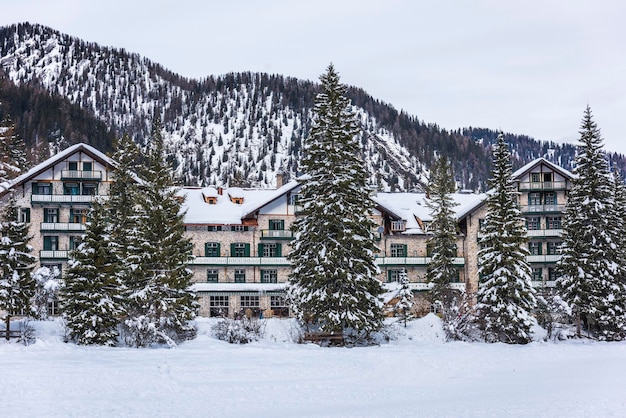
{"x": 239, "y": 128}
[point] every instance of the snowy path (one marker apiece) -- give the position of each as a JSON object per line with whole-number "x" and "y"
{"x": 407, "y": 378}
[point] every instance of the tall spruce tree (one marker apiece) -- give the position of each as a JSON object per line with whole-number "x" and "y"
{"x": 17, "y": 287}
{"x": 13, "y": 160}
{"x": 591, "y": 265}
{"x": 91, "y": 299}
{"x": 441, "y": 270}
{"x": 505, "y": 295}
{"x": 161, "y": 303}
{"x": 333, "y": 282}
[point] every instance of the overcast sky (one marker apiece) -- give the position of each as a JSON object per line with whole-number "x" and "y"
{"x": 527, "y": 67}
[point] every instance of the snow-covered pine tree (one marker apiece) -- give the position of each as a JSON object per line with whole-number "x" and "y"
{"x": 404, "y": 296}
{"x": 505, "y": 295}
{"x": 123, "y": 209}
{"x": 91, "y": 300}
{"x": 13, "y": 160}
{"x": 590, "y": 267}
{"x": 333, "y": 282}
{"x": 161, "y": 302}
{"x": 17, "y": 287}
{"x": 441, "y": 270}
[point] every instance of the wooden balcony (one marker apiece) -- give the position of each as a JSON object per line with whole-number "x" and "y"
{"x": 542, "y": 185}
{"x": 54, "y": 254}
{"x": 543, "y": 208}
{"x": 241, "y": 261}
{"x": 548, "y": 258}
{"x": 81, "y": 175}
{"x": 412, "y": 261}
{"x": 542, "y": 283}
{"x": 276, "y": 234}
{"x": 545, "y": 232}
{"x": 428, "y": 286}
{"x": 64, "y": 198}
{"x": 62, "y": 227}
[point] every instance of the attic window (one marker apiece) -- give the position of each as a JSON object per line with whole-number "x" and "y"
{"x": 237, "y": 200}
{"x": 211, "y": 200}
{"x": 398, "y": 226}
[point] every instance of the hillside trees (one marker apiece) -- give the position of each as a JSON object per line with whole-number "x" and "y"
{"x": 332, "y": 284}
{"x": 441, "y": 270}
{"x": 505, "y": 296}
{"x": 591, "y": 268}
{"x": 17, "y": 287}
{"x": 13, "y": 159}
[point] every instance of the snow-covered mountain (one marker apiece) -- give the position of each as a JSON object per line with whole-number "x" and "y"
{"x": 237, "y": 128}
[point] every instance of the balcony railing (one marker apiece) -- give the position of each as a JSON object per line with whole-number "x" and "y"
{"x": 545, "y": 232}
{"x": 241, "y": 261}
{"x": 428, "y": 286}
{"x": 60, "y": 226}
{"x": 549, "y": 258}
{"x": 542, "y": 185}
{"x": 276, "y": 234}
{"x": 64, "y": 198}
{"x": 540, "y": 283}
{"x": 58, "y": 254}
{"x": 543, "y": 208}
{"x": 81, "y": 175}
{"x": 412, "y": 261}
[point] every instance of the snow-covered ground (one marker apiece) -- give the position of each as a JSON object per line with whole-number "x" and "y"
{"x": 416, "y": 375}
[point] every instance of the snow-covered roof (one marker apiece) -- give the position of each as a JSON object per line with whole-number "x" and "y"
{"x": 528, "y": 167}
{"x": 412, "y": 208}
{"x": 56, "y": 158}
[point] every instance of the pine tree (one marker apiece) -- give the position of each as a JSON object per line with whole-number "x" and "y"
{"x": 404, "y": 296}
{"x": 505, "y": 296}
{"x": 590, "y": 267}
{"x": 333, "y": 282}
{"x": 123, "y": 209}
{"x": 91, "y": 300}
{"x": 13, "y": 160}
{"x": 161, "y": 303}
{"x": 16, "y": 263}
{"x": 441, "y": 270}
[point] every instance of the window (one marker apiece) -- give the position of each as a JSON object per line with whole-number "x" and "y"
{"x": 537, "y": 275}
{"x": 249, "y": 301}
{"x": 547, "y": 177}
{"x": 214, "y": 228}
{"x": 398, "y": 250}
{"x": 553, "y": 274}
{"x": 53, "y": 307}
{"x": 532, "y": 223}
{"x": 279, "y": 306}
{"x": 394, "y": 275}
{"x": 78, "y": 216}
{"x": 25, "y": 215}
{"x": 212, "y": 276}
{"x": 240, "y": 276}
{"x": 42, "y": 188}
{"x": 293, "y": 199}
{"x": 239, "y": 228}
{"x": 51, "y": 215}
{"x": 553, "y": 222}
{"x": 218, "y": 306}
{"x": 90, "y": 189}
{"x": 50, "y": 243}
{"x": 240, "y": 249}
{"x": 534, "y": 198}
{"x": 276, "y": 224}
{"x": 72, "y": 166}
{"x": 270, "y": 250}
{"x": 534, "y": 247}
{"x": 87, "y": 166}
{"x": 212, "y": 249}
{"x": 554, "y": 247}
{"x": 269, "y": 276}
{"x": 71, "y": 189}
{"x": 535, "y": 177}
{"x": 550, "y": 198}
{"x": 75, "y": 241}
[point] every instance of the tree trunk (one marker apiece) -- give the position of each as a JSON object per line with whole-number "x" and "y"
{"x": 7, "y": 324}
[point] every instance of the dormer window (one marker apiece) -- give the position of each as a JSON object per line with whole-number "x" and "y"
{"x": 87, "y": 166}
{"x": 398, "y": 226}
{"x": 72, "y": 166}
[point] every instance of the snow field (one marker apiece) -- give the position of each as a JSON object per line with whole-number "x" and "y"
{"x": 415, "y": 375}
